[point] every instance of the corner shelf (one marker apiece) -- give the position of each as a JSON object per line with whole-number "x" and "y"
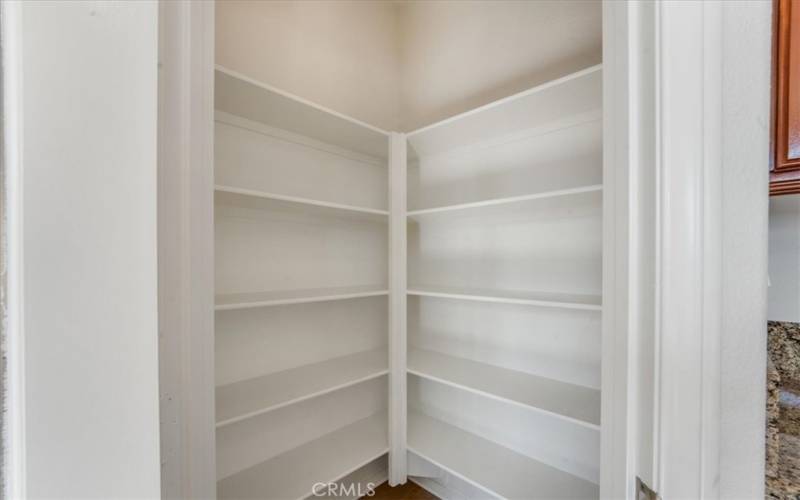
{"x": 570, "y": 99}
{"x": 597, "y": 188}
{"x": 230, "y": 301}
{"x": 577, "y": 404}
{"x": 242, "y": 400}
{"x": 489, "y": 466}
{"x": 531, "y": 298}
{"x": 245, "y": 97}
{"x": 248, "y": 198}
{"x": 293, "y": 474}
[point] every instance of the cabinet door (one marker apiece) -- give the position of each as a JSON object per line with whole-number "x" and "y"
{"x": 785, "y": 168}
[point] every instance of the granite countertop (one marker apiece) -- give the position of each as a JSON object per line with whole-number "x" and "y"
{"x": 783, "y": 411}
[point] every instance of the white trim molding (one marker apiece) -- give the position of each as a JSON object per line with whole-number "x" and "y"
{"x": 397, "y": 310}
{"x": 675, "y": 79}
{"x": 629, "y": 253}
{"x": 615, "y": 433}
{"x": 186, "y": 248}
{"x": 689, "y": 149}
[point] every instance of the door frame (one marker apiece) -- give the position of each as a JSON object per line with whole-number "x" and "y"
{"x": 663, "y": 247}
{"x": 186, "y": 248}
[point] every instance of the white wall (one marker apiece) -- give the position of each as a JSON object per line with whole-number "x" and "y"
{"x": 457, "y": 55}
{"x": 784, "y": 258}
{"x": 401, "y": 65}
{"x": 88, "y": 109}
{"x": 746, "y": 34}
{"x": 343, "y": 55}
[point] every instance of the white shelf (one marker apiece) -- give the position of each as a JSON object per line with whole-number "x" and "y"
{"x": 230, "y": 301}
{"x": 248, "y": 398}
{"x": 577, "y": 404}
{"x": 598, "y": 188}
{"x": 558, "y": 103}
{"x": 292, "y": 475}
{"x": 242, "y": 96}
{"x": 489, "y": 466}
{"x": 248, "y": 198}
{"x": 531, "y": 298}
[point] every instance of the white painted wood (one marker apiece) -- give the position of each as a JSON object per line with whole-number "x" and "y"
{"x": 511, "y": 233}
{"x": 362, "y": 481}
{"x": 248, "y": 136}
{"x": 419, "y": 467}
{"x": 302, "y": 227}
{"x": 639, "y": 433}
{"x": 259, "y": 250}
{"x": 397, "y": 310}
{"x": 245, "y": 97}
{"x": 259, "y": 341}
{"x": 186, "y": 287}
{"x": 544, "y": 437}
{"x": 689, "y": 117}
{"x": 497, "y": 223}
{"x": 555, "y": 343}
{"x": 547, "y": 217}
{"x": 497, "y": 470}
{"x": 573, "y": 95}
{"x": 712, "y": 263}
{"x": 580, "y": 405}
{"x": 292, "y": 475}
{"x": 619, "y": 39}
{"x": 250, "y": 155}
{"x": 443, "y": 484}
{"x": 551, "y": 158}
{"x": 231, "y": 301}
{"x": 551, "y": 245}
{"x": 503, "y": 201}
{"x": 252, "y": 441}
{"x": 442, "y": 487}
{"x": 241, "y": 400}
{"x": 258, "y": 199}
{"x": 500, "y": 225}
{"x": 530, "y": 298}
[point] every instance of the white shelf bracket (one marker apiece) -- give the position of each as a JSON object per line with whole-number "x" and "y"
{"x": 397, "y": 309}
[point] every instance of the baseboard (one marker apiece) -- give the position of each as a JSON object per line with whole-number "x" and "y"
{"x": 372, "y": 474}
{"x": 433, "y": 487}
{"x": 449, "y": 487}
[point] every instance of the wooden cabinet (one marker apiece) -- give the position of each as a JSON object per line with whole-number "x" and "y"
{"x": 785, "y": 164}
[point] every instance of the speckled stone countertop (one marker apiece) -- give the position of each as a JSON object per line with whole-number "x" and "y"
{"x": 783, "y": 411}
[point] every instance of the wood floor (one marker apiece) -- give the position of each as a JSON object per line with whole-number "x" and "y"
{"x": 408, "y": 491}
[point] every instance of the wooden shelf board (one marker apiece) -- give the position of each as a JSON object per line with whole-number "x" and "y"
{"x": 577, "y": 404}
{"x": 242, "y": 400}
{"x": 533, "y": 298}
{"x": 507, "y": 200}
{"x": 248, "y": 300}
{"x": 248, "y": 198}
{"x": 293, "y": 474}
{"x": 248, "y": 98}
{"x": 577, "y": 94}
{"x": 489, "y": 466}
